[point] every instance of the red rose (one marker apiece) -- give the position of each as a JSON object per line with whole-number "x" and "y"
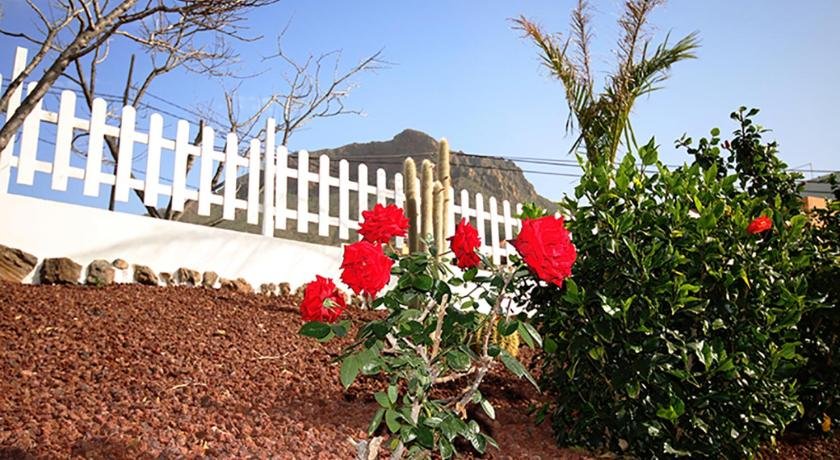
{"x": 322, "y": 301}
{"x": 545, "y": 245}
{"x": 759, "y": 224}
{"x": 365, "y": 267}
{"x": 464, "y": 243}
{"x": 382, "y": 223}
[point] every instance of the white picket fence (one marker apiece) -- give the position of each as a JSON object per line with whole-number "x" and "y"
{"x": 265, "y": 160}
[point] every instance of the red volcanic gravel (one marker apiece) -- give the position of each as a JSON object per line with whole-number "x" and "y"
{"x": 141, "y": 372}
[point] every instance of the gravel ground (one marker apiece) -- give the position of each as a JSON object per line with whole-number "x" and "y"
{"x": 141, "y": 372}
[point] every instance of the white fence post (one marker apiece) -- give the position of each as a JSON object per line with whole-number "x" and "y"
{"x": 14, "y": 103}
{"x": 479, "y": 219}
{"x": 494, "y": 230}
{"x": 96, "y": 141}
{"x": 399, "y": 200}
{"x": 179, "y": 175}
{"x": 150, "y": 190}
{"x": 281, "y": 188}
{"x": 231, "y": 175}
{"x": 205, "y": 173}
{"x": 362, "y": 180}
{"x": 125, "y": 157}
{"x": 268, "y": 180}
{"x": 344, "y": 200}
{"x": 63, "y": 140}
{"x": 324, "y": 195}
{"x": 254, "y": 182}
{"x": 29, "y": 143}
{"x": 381, "y": 185}
{"x": 303, "y": 192}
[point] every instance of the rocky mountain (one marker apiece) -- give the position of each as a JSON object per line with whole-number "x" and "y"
{"x": 489, "y": 176}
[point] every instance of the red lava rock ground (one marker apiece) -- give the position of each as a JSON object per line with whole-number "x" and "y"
{"x": 142, "y": 372}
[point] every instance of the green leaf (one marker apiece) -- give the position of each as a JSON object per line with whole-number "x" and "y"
{"x": 458, "y": 360}
{"x": 349, "y": 370}
{"x": 527, "y": 330}
{"x": 377, "y": 420}
{"x": 549, "y": 345}
{"x": 315, "y": 329}
{"x": 382, "y": 399}
{"x": 392, "y": 393}
{"x": 506, "y": 328}
{"x": 423, "y": 283}
{"x": 488, "y": 409}
{"x": 517, "y": 368}
{"x": 469, "y": 275}
{"x": 392, "y": 420}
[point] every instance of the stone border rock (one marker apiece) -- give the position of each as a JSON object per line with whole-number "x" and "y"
{"x": 16, "y": 265}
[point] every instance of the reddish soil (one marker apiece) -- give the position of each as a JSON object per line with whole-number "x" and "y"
{"x": 140, "y": 372}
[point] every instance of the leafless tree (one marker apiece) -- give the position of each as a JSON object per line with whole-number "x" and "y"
{"x": 170, "y": 32}
{"x": 313, "y": 87}
{"x": 316, "y": 87}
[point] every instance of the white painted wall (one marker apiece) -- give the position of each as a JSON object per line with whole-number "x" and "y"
{"x": 52, "y": 229}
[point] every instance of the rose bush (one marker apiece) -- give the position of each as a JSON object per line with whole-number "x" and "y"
{"x": 432, "y": 331}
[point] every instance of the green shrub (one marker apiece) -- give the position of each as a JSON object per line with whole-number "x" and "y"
{"x": 678, "y": 335}
{"x": 820, "y": 327}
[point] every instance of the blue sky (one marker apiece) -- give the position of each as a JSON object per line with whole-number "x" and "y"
{"x": 459, "y": 71}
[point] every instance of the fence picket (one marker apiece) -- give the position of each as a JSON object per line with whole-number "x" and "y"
{"x": 254, "y": 182}
{"x": 344, "y": 200}
{"x": 268, "y": 180}
{"x": 63, "y": 140}
{"x": 96, "y": 141}
{"x": 11, "y": 107}
{"x": 450, "y": 217}
{"x": 150, "y": 191}
{"x": 281, "y": 212}
{"x": 125, "y": 156}
{"x": 362, "y": 181}
{"x": 494, "y": 230}
{"x": 29, "y": 143}
{"x": 465, "y": 205}
{"x": 399, "y": 200}
{"x": 231, "y": 174}
{"x": 381, "y": 186}
{"x": 479, "y": 219}
{"x": 324, "y": 195}
{"x": 205, "y": 176}
{"x": 508, "y": 220}
{"x": 303, "y": 192}
{"x": 179, "y": 175}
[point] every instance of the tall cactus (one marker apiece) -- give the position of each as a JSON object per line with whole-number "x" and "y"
{"x": 411, "y": 197}
{"x": 445, "y": 178}
{"x": 438, "y": 220}
{"x": 427, "y": 202}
